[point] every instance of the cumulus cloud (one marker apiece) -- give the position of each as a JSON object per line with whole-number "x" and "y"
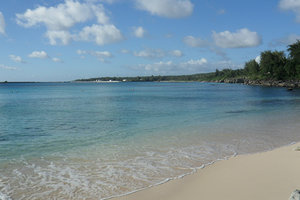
{"x": 61, "y": 18}
{"x": 44, "y": 55}
{"x": 64, "y": 36}
{"x": 176, "y": 53}
{"x": 2, "y": 24}
{"x": 100, "y": 55}
{"x": 157, "y": 53}
{"x": 196, "y": 62}
{"x": 204, "y": 43}
{"x": 57, "y": 60}
{"x": 171, "y": 67}
{"x": 290, "y": 39}
{"x": 159, "y": 66}
{"x": 191, "y": 66}
{"x": 167, "y": 8}
{"x": 7, "y": 67}
{"x": 38, "y": 54}
{"x": 109, "y": 1}
{"x": 100, "y": 34}
{"x": 291, "y": 5}
{"x": 139, "y": 32}
{"x": 125, "y": 51}
{"x": 17, "y": 59}
{"x": 240, "y": 39}
{"x": 195, "y": 42}
{"x": 150, "y": 53}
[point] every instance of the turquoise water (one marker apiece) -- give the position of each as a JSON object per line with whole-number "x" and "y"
{"x": 98, "y": 140}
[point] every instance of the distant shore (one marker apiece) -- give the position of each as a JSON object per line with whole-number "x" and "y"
{"x": 267, "y": 83}
{"x": 268, "y": 175}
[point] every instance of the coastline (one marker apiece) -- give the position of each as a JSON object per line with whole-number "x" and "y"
{"x": 264, "y": 83}
{"x": 268, "y": 175}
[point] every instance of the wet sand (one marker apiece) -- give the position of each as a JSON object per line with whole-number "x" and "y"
{"x": 269, "y": 175}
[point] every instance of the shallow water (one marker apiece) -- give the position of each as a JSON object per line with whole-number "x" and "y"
{"x": 97, "y": 140}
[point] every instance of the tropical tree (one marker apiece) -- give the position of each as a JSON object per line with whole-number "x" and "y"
{"x": 293, "y": 66}
{"x": 294, "y": 50}
{"x": 251, "y": 67}
{"x": 272, "y": 64}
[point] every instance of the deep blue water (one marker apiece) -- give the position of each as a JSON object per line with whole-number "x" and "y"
{"x": 109, "y": 139}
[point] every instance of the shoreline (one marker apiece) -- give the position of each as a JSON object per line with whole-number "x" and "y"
{"x": 263, "y": 83}
{"x": 270, "y": 174}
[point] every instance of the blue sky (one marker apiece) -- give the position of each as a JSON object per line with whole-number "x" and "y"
{"x": 62, "y": 40}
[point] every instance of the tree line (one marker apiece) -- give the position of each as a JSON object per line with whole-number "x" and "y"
{"x": 273, "y": 65}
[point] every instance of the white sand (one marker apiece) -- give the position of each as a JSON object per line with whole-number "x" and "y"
{"x": 272, "y": 175}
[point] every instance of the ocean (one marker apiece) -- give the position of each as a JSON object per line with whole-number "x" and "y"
{"x": 102, "y": 140}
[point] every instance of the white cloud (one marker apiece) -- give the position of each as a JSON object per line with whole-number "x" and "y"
{"x": 226, "y": 64}
{"x": 167, "y": 8}
{"x": 109, "y": 1}
{"x": 150, "y": 53}
{"x": 196, "y": 62}
{"x": 101, "y": 34}
{"x": 201, "y": 43}
{"x": 17, "y": 59}
{"x": 38, "y": 54}
{"x": 61, "y": 18}
{"x": 125, "y": 51}
{"x": 159, "y": 66}
{"x": 64, "y": 36}
{"x": 191, "y": 66}
{"x": 44, "y": 55}
{"x": 58, "y": 60}
{"x": 157, "y": 53}
{"x": 258, "y": 59}
{"x": 7, "y": 67}
{"x": 290, "y": 39}
{"x": 139, "y": 32}
{"x": 176, "y": 53}
{"x": 293, "y": 5}
{"x": 171, "y": 67}
{"x": 240, "y": 39}
{"x": 195, "y": 42}
{"x": 100, "y": 55}
{"x": 81, "y": 52}
{"x": 2, "y": 24}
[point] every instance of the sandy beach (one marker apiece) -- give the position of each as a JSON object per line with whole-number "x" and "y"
{"x": 268, "y": 175}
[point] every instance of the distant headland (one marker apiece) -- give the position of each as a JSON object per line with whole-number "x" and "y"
{"x": 272, "y": 68}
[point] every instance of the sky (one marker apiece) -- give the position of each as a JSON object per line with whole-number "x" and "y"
{"x": 63, "y": 40}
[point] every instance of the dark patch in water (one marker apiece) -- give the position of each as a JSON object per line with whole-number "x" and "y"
{"x": 237, "y": 111}
{"x": 275, "y": 102}
{"x": 105, "y": 120}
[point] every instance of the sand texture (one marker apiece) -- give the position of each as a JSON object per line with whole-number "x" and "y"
{"x": 270, "y": 175}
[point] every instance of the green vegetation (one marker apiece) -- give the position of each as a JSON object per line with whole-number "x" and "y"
{"x": 274, "y": 65}
{"x": 194, "y": 77}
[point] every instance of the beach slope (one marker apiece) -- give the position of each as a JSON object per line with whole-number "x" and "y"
{"x": 268, "y": 175}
